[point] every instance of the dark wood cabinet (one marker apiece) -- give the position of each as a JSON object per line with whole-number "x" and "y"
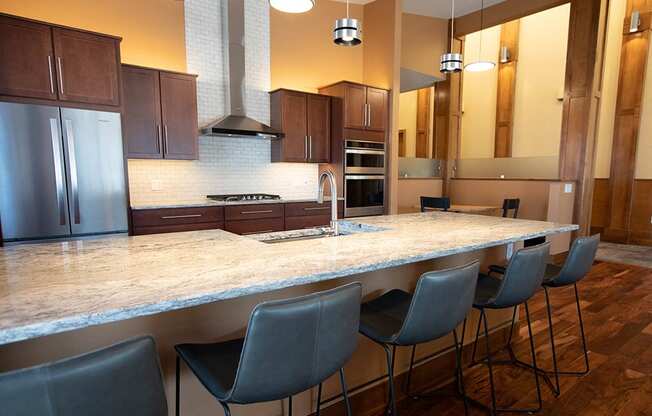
{"x": 51, "y": 62}
{"x": 365, "y": 109}
{"x": 142, "y": 112}
{"x": 167, "y": 220}
{"x": 160, "y": 114}
{"x": 27, "y": 57}
{"x": 305, "y": 121}
{"x": 300, "y": 215}
{"x": 87, "y": 67}
{"x": 254, "y": 218}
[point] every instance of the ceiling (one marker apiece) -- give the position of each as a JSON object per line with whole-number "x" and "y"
{"x": 438, "y": 8}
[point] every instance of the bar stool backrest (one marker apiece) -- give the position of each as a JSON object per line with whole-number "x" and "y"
{"x": 123, "y": 379}
{"x": 523, "y": 276}
{"x": 295, "y": 344}
{"x": 443, "y": 203}
{"x": 441, "y": 301}
{"x": 579, "y": 262}
{"x": 511, "y": 204}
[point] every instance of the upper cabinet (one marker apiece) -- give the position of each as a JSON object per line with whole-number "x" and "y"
{"x": 364, "y": 108}
{"x": 160, "y": 114}
{"x": 305, "y": 120}
{"x": 42, "y": 61}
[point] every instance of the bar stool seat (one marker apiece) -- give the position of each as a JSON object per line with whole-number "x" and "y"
{"x": 215, "y": 365}
{"x": 550, "y": 277}
{"x": 381, "y": 319}
{"x": 487, "y": 289}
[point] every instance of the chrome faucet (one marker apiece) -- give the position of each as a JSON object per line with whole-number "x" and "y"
{"x": 327, "y": 174}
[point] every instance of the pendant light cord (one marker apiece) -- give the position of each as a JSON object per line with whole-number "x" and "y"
{"x": 481, "y": 27}
{"x": 347, "y": 9}
{"x": 452, "y": 23}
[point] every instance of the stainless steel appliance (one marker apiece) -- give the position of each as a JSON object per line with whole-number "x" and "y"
{"x": 364, "y": 178}
{"x": 61, "y": 172}
{"x": 243, "y": 197}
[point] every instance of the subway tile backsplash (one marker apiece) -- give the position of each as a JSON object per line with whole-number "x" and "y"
{"x": 226, "y": 164}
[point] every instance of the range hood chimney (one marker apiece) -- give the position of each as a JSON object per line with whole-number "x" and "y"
{"x": 236, "y": 123}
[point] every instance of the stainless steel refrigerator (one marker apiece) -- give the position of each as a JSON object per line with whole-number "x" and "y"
{"x": 61, "y": 172}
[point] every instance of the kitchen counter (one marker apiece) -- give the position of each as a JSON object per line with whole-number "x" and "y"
{"x": 205, "y": 202}
{"x": 55, "y": 287}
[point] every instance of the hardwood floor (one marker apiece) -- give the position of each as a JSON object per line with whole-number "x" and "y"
{"x": 616, "y": 304}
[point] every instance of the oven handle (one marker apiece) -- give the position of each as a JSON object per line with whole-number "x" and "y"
{"x": 366, "y": 152}
{"x": 357, "y": 177}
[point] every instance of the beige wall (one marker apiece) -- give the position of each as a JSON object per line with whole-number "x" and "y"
{"x": 410, "y": 191}
{"x": 422, "y": 43}
{"x": 407, "y": 120}
{"x": 152, "y": 30}
{"x": 303, "y": 55}
{"x": 540, "y": 74}
{"x": 479, "y": 97}
{"x": 609, "y": 92}
{"x": 644, "y": 146}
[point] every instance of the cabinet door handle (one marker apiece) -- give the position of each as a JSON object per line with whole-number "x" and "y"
{"x": 316, "y": 208}
{"x": 310, "y": 147}
{"x": 60, "y": 65}
{"x": 267, "y": 211}
{"x": 258, "y": 232}
{"x": 58, "y": 170}
{"x": 158, "y": 138}
{"x": 368, "y": 115}
{"x": 72, "y": 161}
{"x": 165, "y": 142}
{"x": 50, "y": 74}
{"x": 305, "y": 147}
{"x": 172, "y": 217}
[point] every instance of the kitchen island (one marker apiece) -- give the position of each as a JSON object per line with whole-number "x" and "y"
{"x": 71, "y": 296}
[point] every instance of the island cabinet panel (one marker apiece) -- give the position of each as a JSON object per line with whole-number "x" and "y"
{"x": 255, "y": 226}
{"x": 27, "y": 58}
{"x": 254, "y": 218}
{"x": 164, "y": 220}
{"x": 142, "y": 112}
{"x": 300, "y": 215}
{"x": 179, "y": 115}
{"x": 305, "y": 121}
{"x": 87, "y": 66}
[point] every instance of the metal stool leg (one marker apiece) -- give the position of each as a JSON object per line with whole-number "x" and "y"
{"x": 579, "y": 314}
{"x": 475, "y": 343}
{"x": 555, "y": 390}
{"x": 290, "y": 406}
{"x": 459, "y": 375}
{"x": 534, "y": 358}
{"x": 409, "y": 374}
{"x": 345, "y": 393}
{"x": 319, "y": 399}
{"x": 491, "y": 370}
{"x": 227, "y": 411}
{"x": 390, "y": 367}
{"x": 178, "y": 387}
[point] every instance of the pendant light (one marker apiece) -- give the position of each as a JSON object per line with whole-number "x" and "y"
{"x": 480, "y": 65}
{"x": 451, "y": 62}
{"x": 292, "y": 6}
{"x": 347, "y": 31}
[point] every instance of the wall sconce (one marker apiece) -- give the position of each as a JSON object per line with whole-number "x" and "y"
{"x": 505, "y": 56}
{"x": 634, "y": 21}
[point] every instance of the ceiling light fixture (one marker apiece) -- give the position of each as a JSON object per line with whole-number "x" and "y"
{"x": 451, "y": 62}
{"x": 292, "y": 6}
{"x": 347, "y": 31}
{"x": 480, "y": 65}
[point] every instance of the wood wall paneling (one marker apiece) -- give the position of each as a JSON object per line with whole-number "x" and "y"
{"x": 641, "y": 215}
{"x": 423, "y": 122}
{"x": 506, "y": 90}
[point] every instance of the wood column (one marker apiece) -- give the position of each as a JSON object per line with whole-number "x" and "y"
{"x": 423, "y": 122}
{"x": 509, "y": 33}
{"x": 633, "y": 65}
{"x": 583, "y": 72}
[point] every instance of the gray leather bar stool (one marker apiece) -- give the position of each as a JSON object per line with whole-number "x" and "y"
{"x": 123, "y": 379}
{"x": 290, "y": 346}
{"x": 523, "y": 276}
{"x": 576, "y": 267}
{"x": 441, "y": 301}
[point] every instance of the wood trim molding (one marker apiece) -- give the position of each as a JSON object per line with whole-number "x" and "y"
{"x": 509, "y": 34}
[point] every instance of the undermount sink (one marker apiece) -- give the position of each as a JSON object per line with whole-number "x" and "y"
{"x": 298, "y": 235}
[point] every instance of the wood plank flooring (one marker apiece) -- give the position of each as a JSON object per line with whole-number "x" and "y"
{"x": 616, "y": 304}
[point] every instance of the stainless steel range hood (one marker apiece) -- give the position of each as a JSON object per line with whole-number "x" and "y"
{"x": 236, "y": 123}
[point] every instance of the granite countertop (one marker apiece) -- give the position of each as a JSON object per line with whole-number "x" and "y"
{"x": 205, "y": 202}
{"x": 54, "y": 287}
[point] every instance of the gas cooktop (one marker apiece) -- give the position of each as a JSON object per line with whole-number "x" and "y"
{"x": 242, "y": 197}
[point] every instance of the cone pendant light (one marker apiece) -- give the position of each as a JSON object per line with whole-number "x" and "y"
{"x": 347, "y": 31}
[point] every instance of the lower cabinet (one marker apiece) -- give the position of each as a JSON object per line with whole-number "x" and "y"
{"x": 300, "y": 215}
{"x": 170, "y": 220}
{"x": 254, "y": 218}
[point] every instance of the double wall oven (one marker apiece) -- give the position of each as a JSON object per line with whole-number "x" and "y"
{"x": 364, "y": 178}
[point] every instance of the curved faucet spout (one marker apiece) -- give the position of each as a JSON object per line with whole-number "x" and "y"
{"x": 327, "y": 174}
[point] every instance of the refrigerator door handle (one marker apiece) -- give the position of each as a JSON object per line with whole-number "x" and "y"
{"x": 58, "y": 170}
{"x": 72, "y": 162}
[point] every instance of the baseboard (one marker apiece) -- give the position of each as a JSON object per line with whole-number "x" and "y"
{"x": 430, "y": 375}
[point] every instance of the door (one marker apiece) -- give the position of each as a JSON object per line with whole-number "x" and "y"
{"x": 27, "y": 59}
{"x": 354, "y": 106}
{"x": 179, "y": 116}
{"x": 33, "y": 201}
{"x": 87, "y": 67}
{"x": 142, "y": 113}
{"x": 95, "y": 170}
{"x": 295, "y": 113}
{"x": 319, "y": 125}
{"x": 377, "y": 109}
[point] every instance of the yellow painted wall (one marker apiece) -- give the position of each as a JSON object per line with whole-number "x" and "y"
{"x": 540, "y": 75}
{"x": 644, "y": 147}
{"x": 407, "y": 120}
{"x": 609, "y": 91}
{"x": 423, "y": 41}
{"x": 479, "y": 97}
{"x": 152, "y": 30}
{"x": 378, "y": 37}
{"x": 303, "y": 55}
